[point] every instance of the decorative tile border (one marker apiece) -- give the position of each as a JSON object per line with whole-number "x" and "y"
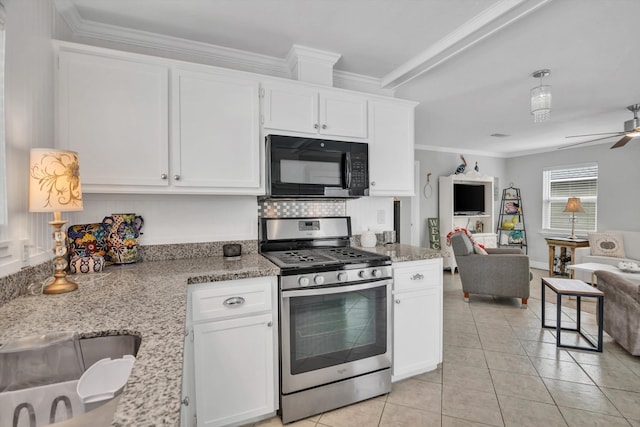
{"x": 301, "y": 208}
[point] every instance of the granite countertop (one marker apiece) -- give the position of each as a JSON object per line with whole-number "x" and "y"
{"x": 401, "y": 252}
{"x": 147, "y": 299}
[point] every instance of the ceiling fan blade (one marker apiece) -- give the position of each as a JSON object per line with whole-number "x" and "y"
{"x": 585, "y": 142}
{"x": 596, "y": 134}
{"x": 622, "y": 142}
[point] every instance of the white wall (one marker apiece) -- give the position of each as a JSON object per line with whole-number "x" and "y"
{"x": 618, "y": 195}
{"x": 370, "y": 213}
{"x": 178, "y": 218}
{"x": 29, "y": 118}
{"x": 443, "y": 164}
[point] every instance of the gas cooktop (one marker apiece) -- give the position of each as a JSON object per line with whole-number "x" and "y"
{"x": 321, "y": 256}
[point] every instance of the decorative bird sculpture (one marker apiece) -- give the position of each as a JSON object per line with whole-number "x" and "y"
{"x": 462, "y": 167}
{"x": 477, "y": 169}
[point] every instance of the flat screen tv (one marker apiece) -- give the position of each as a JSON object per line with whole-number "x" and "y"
{"x": 468, "y": 199}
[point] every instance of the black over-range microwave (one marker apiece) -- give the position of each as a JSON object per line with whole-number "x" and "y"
{"x": 309, "y": 167}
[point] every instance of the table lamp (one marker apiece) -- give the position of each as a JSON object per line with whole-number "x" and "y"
{"x": 54, "y": 186}
{"x": 573, "y": 206}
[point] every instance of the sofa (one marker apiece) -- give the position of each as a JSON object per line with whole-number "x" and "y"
{"x": 621, "y": 309}
{"x": 614, "y": 251}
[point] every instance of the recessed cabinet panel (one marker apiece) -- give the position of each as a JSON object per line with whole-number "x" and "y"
{"x": 417, "y": 330}
{"x": 391, "y": 146}
{"x": 216, "y": 131}
{"x": 291, "y": 109}
{"x": 302, "y": 109}
{"x": 114, "y": 113}
{"x": 343, "y": 115}
{"x": 234, "y": 370}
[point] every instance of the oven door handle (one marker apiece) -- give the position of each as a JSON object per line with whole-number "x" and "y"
{"x": 335, "y": 289}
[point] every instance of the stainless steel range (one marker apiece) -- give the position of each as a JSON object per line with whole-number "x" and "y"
{"x": 335, "y": 307}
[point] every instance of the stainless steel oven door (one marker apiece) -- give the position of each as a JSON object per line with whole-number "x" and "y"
{"x": 334, "y": 333}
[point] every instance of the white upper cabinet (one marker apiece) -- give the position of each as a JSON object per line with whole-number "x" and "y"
{"x": 391, "y": 145}
{"x": 115, "y": 109}
{"x": 216, "y": 133}
{"x": 328, "y": 113}
{"x": 114, "y": 113}
{"x": 144, "y": 124}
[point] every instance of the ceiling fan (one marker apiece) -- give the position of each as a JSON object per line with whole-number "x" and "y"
{"x": 631, "y": 131}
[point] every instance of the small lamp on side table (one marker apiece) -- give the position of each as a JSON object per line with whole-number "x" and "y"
{"x": 573, "y": 206}
{"x": 54, "y": 186}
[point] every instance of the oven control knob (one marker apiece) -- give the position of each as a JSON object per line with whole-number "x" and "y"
{"x": 303, "y": 281}
{"x": 376, "y": 273}
{"x": 342, "y": 277}
{"x": 318, "y": 280}
{"x": 363, "y": 274}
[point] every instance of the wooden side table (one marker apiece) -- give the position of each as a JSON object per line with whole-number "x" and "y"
{"x": 578, "y": 289}
{"x": 563, "y": 243}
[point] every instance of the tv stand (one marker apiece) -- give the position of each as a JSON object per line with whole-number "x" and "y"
{"x": 481, "y": 224}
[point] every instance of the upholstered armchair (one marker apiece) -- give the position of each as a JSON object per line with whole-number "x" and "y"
{"x": 621, "y": 309}
{"x": 500, "y": 272}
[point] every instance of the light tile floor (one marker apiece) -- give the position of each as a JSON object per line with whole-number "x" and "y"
{"x": 501, "y": 369}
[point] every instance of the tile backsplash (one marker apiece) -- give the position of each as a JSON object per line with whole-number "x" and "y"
{"x": 301, "y": 208}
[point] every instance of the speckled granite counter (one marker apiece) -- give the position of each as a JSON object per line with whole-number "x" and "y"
{"x": 147, "y": 299}
{"x": 400, "y": 252}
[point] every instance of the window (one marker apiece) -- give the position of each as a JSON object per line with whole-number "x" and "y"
{"x": 560, "y": 183}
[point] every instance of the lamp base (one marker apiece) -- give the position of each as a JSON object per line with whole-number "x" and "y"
{"x": 573, "y": 237}
{"x": 59, "y": 286}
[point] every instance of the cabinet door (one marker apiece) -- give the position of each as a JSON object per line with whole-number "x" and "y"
{"x": 216, "y": 141}
{"x": 417, "y": 332}
{"x": 391, "y": 145}
{"x": 234, "y": 370}
{"x": 114, "y": 113}
{"x": 343, "y": 115}
{"x": 291, "y": 108}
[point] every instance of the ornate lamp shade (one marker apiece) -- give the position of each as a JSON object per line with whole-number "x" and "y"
{"x": 54, "y": 186}
{"x": 573, "y": 205}
{"x": 54, "y": 181}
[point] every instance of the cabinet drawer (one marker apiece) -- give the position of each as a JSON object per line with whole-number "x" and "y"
{"x": 419, "y": 275}
{"x": 232, "y": 298}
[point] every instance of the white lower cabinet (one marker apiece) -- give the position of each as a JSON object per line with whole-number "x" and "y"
{"x": 232, "y": 348}
{"x": 417, "y": 317}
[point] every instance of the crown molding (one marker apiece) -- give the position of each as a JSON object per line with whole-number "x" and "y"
{"x": 458, "y": 150}
{"x": 215, "y": 55}
{"x": 305, "y": 53}
{"x": 489, "y": 21}
{"x": 360, "y": 83}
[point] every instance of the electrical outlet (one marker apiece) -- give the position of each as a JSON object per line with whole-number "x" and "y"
{"x": 26, "y": 250}
{"x": 381, "y": 216}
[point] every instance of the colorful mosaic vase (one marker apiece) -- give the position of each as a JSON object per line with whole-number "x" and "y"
{"x": 123, "y": 231}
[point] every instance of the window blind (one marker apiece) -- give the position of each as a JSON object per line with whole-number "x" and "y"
{"x": 562, "y": 183}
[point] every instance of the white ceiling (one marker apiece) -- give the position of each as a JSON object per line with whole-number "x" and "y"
{"x": 468, "y": 62}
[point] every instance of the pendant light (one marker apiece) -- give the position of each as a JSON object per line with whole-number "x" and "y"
{"x": 541, "y": 98}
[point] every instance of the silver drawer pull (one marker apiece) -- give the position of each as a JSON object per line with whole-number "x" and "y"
{"x": 233, "y": 301}
{"x": 417, "y": 276}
